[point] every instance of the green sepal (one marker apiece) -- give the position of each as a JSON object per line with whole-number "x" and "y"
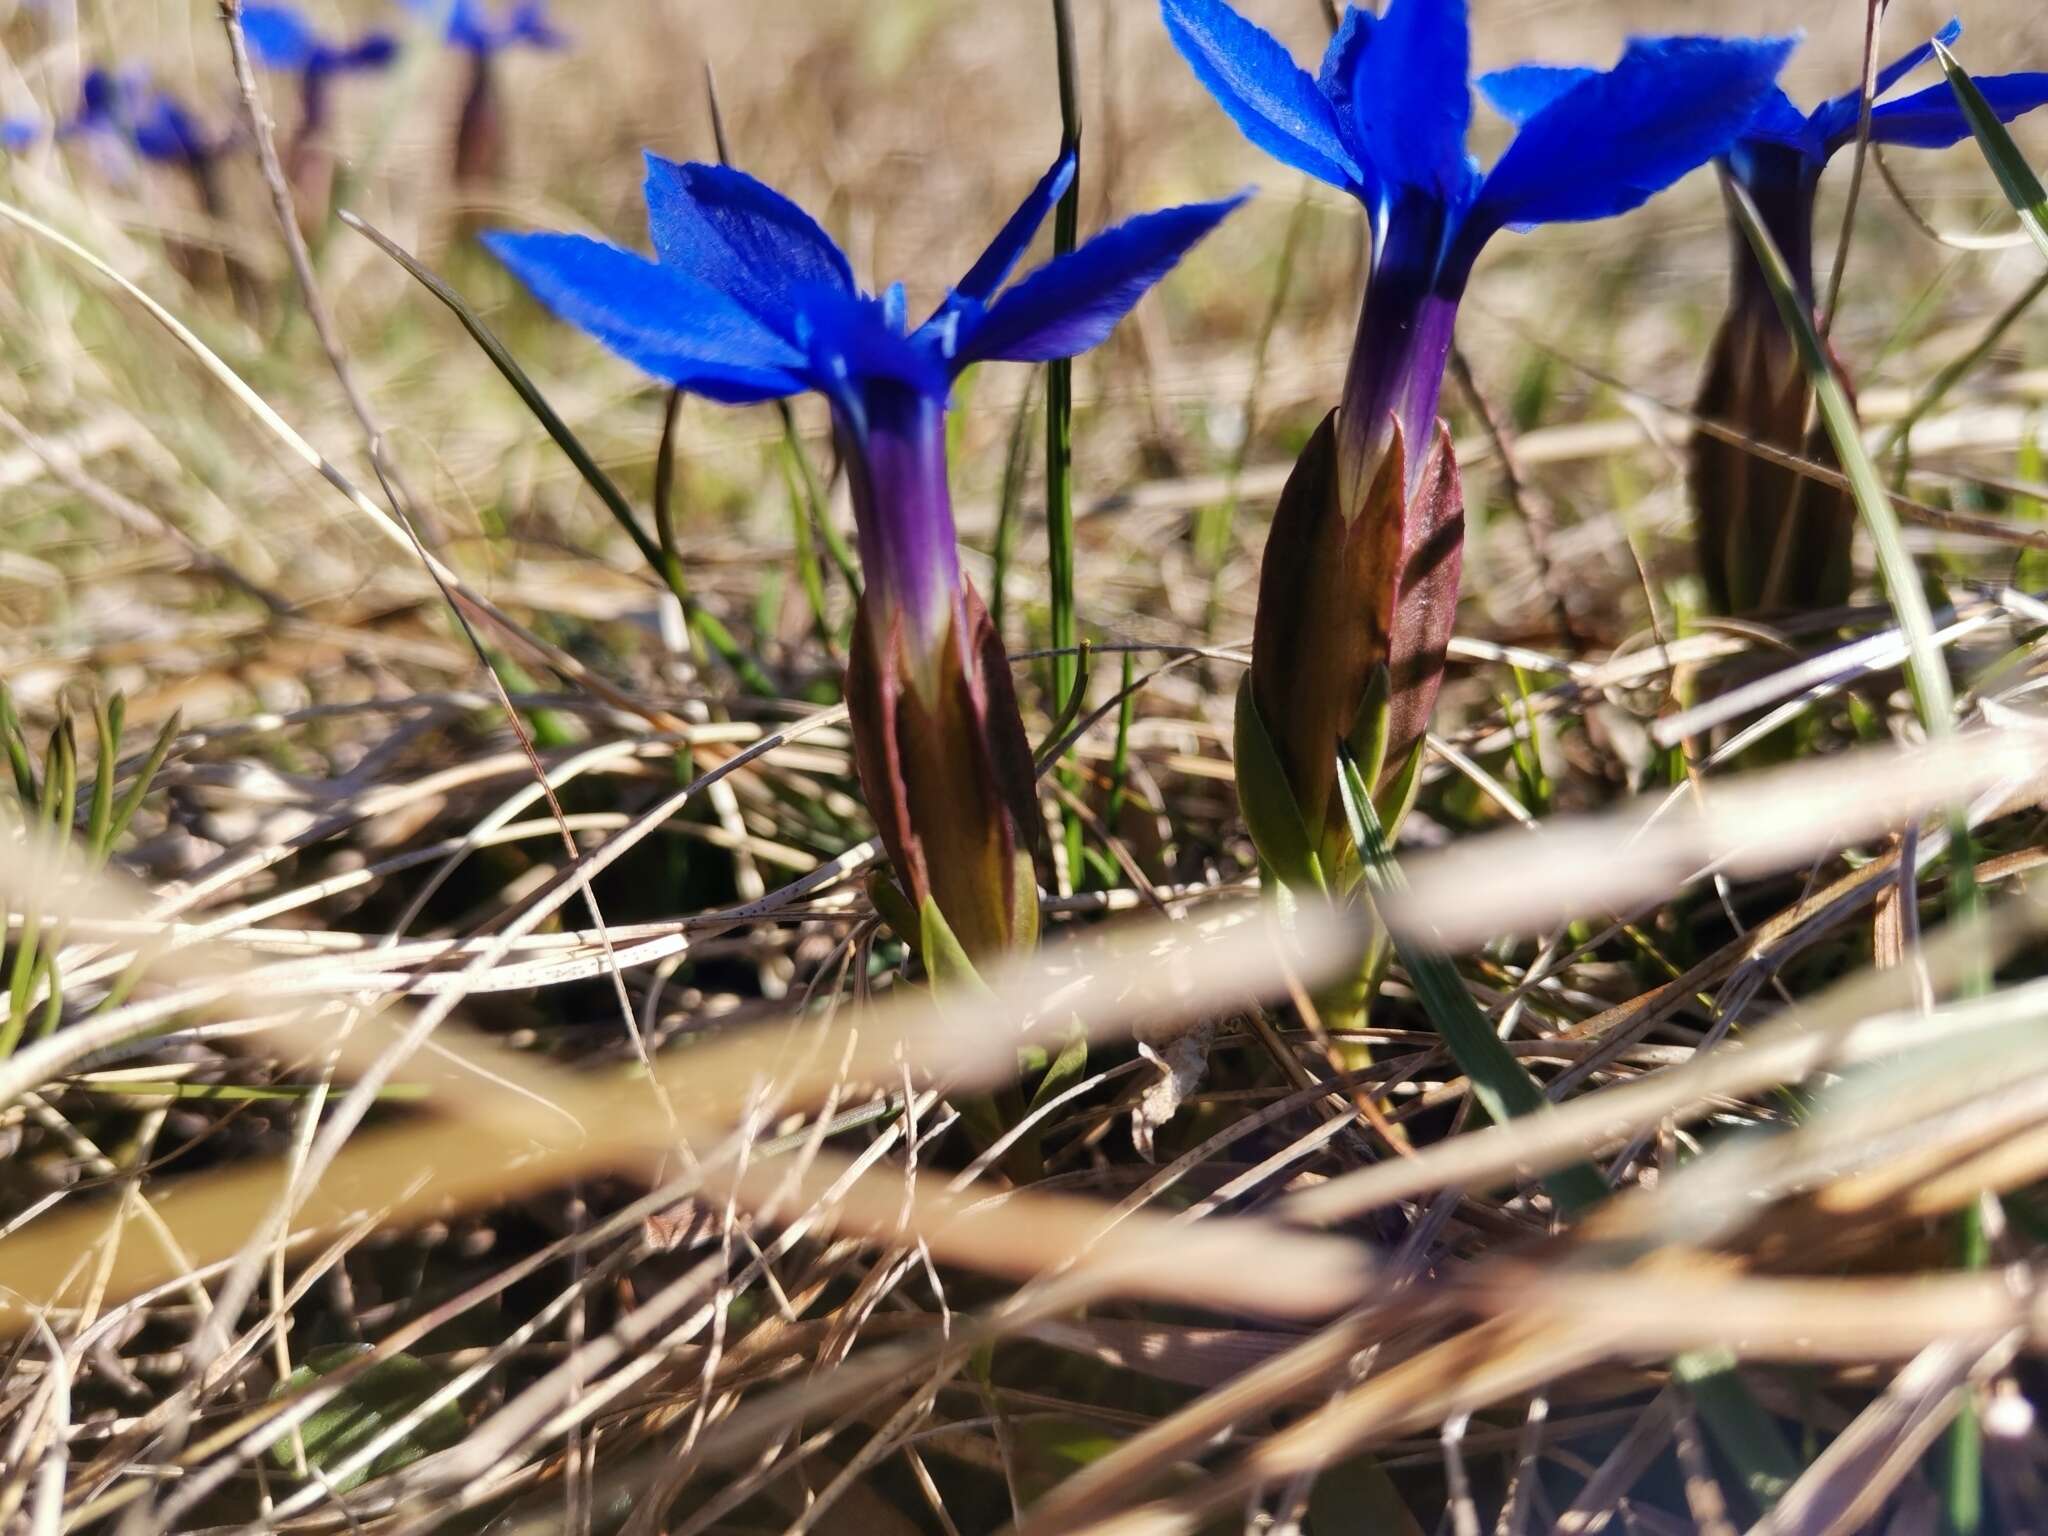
{"x": 895, "y": 910}
{"x": 945, "y": 958}
{"x": 1372, "y": 728}
{"x": 1024, "y": 903}
{"x": 1267, "y": 800}
{"x": 1066, "y": 1068}
{"x": 1396, "y": 798}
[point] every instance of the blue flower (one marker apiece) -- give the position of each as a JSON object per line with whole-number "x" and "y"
{"x": 747, "y": 299}
{"x": 282, "y": 38}
{"x": 470, "y": 25}
{"x": 1386, "y": 120}
{"x": 18, "y": 133}
{"x": 126, "y": 111}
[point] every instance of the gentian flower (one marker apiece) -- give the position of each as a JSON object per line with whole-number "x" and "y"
{"x": 471, "y": 29}
{"x": 125, "y": 110}
{"x": 1360, "y": 582}
{"x": 748, "y": 300}
{"x": 281, "y": 38}
{"x": 1771, "y": 539}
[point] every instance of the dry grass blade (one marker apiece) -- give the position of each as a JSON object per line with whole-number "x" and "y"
{"x": 1525, "y": 882}
{"x": 493, "y": 1151}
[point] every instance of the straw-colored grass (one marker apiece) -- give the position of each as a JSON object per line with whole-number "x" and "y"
{"x": 486, "y": 982}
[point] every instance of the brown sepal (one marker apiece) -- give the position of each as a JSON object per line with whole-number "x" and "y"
{"x": 1341, "y": 596}
{"x": 1770, "y": 539}
{"x": 949, "y": 779}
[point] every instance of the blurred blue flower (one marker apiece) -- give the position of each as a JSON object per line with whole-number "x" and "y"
{"x": 126, "y": 110}
{"x": 1386, "y": 120}
{"x": 18, "y": 133}
{"x": 748, "y": 299}
{"x": 470, "y": 25}
{"x": 282, "y": 38}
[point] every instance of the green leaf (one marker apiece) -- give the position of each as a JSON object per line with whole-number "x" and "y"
{"x": 895, "y": 909}
{"x": 1267, "y": 800}
{"x": 1746, "y": 1433}
{"x": 2022, "y": 187}
{"x": 145, "y": 776}
{"x": 1066, "y": 1069}
{"x": 945, "y": 960}
{"x": 1925, "y": 667}
{"x": 383, "y": 1396}
{"x": 1502, "y": 1086}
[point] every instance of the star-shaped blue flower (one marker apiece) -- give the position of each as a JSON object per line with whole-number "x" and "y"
{"x": 748, "y": 299}
{"x": 1386, "y": 120}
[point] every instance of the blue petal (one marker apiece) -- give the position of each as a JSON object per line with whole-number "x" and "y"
{"x": 1901, "y": 67}
{"x": 373, "y": 51}
{"x": 1270, "y": 97}
{"x": 1340, "y": 68}
{"x": 1778, "y": 121}
{"x": 1835, "y": 121}
{"x": 1518, "y": 94}
{"x": 1073, "y": 302}
{"x": 163, "y": 130}
{"x": 739, "y": 236}
{"x": 1933, "y": 118}
{"x": 1411, "y": 100}
{"x": 1613, "y": 141}
{"x": 853, "y": 340}
{"x": 18, "y": 133}
{"x": 1008, "y": 248}
{"x": 658, "y": 319}
{"x": 279, "y": 37}
{"x": 530, "y": 24}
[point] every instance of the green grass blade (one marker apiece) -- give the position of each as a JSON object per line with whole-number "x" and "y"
{"x": 1008, "y": 507}
{"x": 529, "y": 393}
{"x": 2022, "y": 187}
{"x": 1925, "y": 667}
{"x": 145, "y": 776}
{"x": 1059, "y": 392}
{"x": 714, "y": 634}
{"x": 1499, "y": 1082}
{"x": 16, "y": 741}
{"x": 1746, "y": 1433}
{"x": 99, "y": 824}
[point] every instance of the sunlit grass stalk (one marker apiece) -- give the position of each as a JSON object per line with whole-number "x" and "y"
{"x": 1933, "y": 695}
{"x": 1964, "y": 1465}
{"x": 1010, "y": 507}
{"x": 666, "y": 564}
{"x": 1059, "y": 388}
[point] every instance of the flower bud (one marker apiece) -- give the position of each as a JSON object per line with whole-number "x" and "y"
{"x": 947, "y": 772}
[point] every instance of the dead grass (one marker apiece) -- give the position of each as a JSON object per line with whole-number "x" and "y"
{"x": 606, "y": 1100}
